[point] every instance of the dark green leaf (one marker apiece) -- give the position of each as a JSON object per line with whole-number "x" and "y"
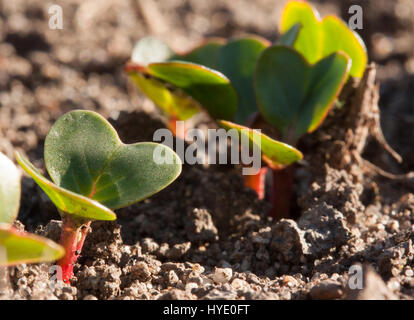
{"x": 237, "y": 60}
{"x": 205, "y": 54}
{"x": 289, "y": 37}
{"x": 294, "y": 96}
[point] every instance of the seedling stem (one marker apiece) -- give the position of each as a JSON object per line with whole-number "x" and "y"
{"x": 257, "y": 182}
{"x": 72, "y": 238}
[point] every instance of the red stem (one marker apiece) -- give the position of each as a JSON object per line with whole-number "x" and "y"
{"x": 72, "y": 239}
{"x": 281, "y": 196}
{"x": 257, "y": 182}
{"x": 178, "y": 132}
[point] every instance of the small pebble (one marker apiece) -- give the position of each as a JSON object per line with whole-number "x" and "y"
{"x": 172, "y": 278}
{"x": 393, "y": 284}
{"x": 222, "y": 275}
{"x": 289, "y": 281}
{"x": 394, "y": 226}
{"x": 409, "y": 272}
{"x": 239, "y": 284}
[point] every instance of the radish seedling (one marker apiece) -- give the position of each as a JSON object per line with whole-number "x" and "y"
{"x": 318, "y": 38}
{"x": 16, "y": 246}
{"x": 291, "y": 85}
{"x": 180, "y": 88}
{"x": 93, "y": 173}
{"x": 163, "y": 79}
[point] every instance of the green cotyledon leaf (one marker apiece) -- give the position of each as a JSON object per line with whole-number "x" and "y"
{"x": 66, "y": 200}
{"x": 171, "y": 100}
{"x": 293, "y": 95}
{"x": 9, "y": 190}
{"x": 181, "y": 88}
{"x": 237, "y": 60}
{"x": 275, "y": 153}
{"x": 319, "y": 38}
{"x": 21, "y": 247}
{"x": 210, "y": 88}
{"x": 84, "y": 154}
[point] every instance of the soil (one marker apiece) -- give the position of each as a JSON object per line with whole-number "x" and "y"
{"x": 206, "y": 236}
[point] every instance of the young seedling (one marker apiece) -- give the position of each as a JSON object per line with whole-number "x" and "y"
{"x": 318, "y": 38}
{"x": 176, "y": 82}
{"x": 236, "y": 59}
{"x": 15, "y": 246}
{"x": 180, "y": 88}
{"x": 292, "y": 90}
{"x": 277, "y": 155}
{"x": 295, "y": 97}
{"x": 93, "y": 173}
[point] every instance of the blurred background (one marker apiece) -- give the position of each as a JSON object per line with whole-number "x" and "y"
{"x": 45, "y": 72}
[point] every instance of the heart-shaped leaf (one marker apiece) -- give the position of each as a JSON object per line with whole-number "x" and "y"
{"x": 21, "y": 247}
{"x": 65, "y": 200}
{"x": 319, "y": 38}
{"x": 84, "y": 154}
{"x": 294, "y": 96}
{"x": 237, "y": 60}
{"x": 9, "y": 190}
{"x": 204, "y": 54}
{"x": 275, "y": 153}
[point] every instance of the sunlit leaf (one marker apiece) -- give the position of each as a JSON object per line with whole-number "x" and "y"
{"x": 275, "y": 153}
{"x": 21, "y": 247}
{"x": 65, "y": 200}
{"x": 172, "y": 100}
{"x": 319, "y": 38}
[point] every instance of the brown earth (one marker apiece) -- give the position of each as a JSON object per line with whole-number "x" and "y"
{"x": 206, "y": 236}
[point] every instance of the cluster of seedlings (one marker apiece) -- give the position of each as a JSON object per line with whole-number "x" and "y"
{"x": 286, "y": 89}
